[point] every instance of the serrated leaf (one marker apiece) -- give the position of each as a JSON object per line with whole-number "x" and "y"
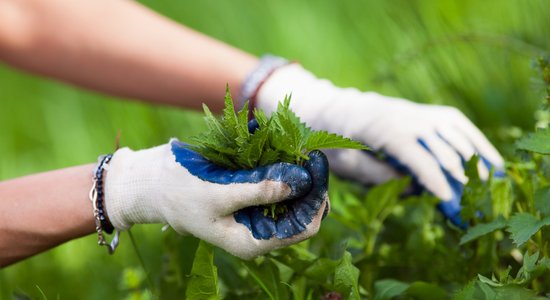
{"x": 211, "y": 144}
{"x": 216, "y": 157}
{"x": 281, "y": 137}
{"x": 242, "y": 126}
{"x": 538, "y": 142}
{"x": 215, "y": 125}
{"x": 269, "y": 156}
{"x": 229, "y": 119}
{"x": 530, "y": 261}
{"x": 259, "y": 115}
{"x": 289, "y": 137}
{"x": 322, "y": 139}
{"x": 542, "y": 201}
{"x": 482, "y": 229}
{"x": 252, "y": 151}
{"x": 522, "y": 226}
{"x": 346, "y": 278}
{"x": 203, "y": 282}
{"x": 467, "y": 292}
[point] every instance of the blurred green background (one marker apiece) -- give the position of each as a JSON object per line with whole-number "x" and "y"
{"x": 475, "y": 55}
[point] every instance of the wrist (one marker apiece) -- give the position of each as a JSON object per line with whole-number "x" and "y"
{"x": 249, "y": 88}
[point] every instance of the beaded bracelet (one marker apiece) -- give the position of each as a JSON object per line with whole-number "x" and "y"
{"x": 255, "y": 79}
{"x": 97, "y": 196}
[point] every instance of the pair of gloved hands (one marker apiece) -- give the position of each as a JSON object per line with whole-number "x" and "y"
{"x": 174, "y": 185}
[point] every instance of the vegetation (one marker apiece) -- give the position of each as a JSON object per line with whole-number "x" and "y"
{"x": 474, "y": 55}
{"x": 281, "y": 137}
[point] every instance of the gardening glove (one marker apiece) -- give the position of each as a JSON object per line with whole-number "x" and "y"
{"x": 429, "y": 142}
{"x": 174, "y": 185}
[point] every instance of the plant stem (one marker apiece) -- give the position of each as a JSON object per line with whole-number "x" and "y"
{"x": 142, "y": 262}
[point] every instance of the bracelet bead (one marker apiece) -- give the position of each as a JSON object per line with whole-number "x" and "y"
{"x": 97, "y": 196}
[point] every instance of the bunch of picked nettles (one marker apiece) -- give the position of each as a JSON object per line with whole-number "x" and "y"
{"x": 230, "y": 144}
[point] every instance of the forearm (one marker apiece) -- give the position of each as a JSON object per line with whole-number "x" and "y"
{"x": 121, "y": 48}
{"x": 41, "y": 211}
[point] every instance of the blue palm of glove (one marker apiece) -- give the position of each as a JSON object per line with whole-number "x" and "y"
{"x": 308, "y": 186}
{"x": 450, "y": 208}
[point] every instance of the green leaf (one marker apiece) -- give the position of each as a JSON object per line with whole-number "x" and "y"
{"x": 322, "y": 139}
{"x": 269, "y": 156}
{"x": 467, "y": 292}
{"x": 281, "y": 137}
{"x": 502, "y": 197}
{"x": 542, "y": 201}
{"x": 252, "y": 151}
{"x": 512, "y": 291}
{"x": 381, "y": 199}
{"x": 221, "y": 131}
{"x": 538, "y": 142}
{"x": 242, "y": 126}
{"x": 386, "y": 289}
{"x": 475, "y": 191}
{"x": 295, "y": 257}
{"x": 229, "y": 119}
{"x": 530, "y": 261}
{"x": 488, "y": 281}
{"x": 346, "y": 278}
{"x": 267, "y": 276}
{"x": 319, "y": 269}
{"x": 479, "y": 230}
{"x": 203, "y": 283}
{"x": 487, "y": 290}
{"x": 289, "y": 137}
{"x": 423, "y": 290}
{"x": 522, "y": 226}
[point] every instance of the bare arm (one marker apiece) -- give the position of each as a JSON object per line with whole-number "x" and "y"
{"x": 41, "y": 211}
{"x": 122, "y": 48}
{"x": 113, "y": 46}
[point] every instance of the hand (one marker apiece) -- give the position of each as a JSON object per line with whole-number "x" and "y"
{"x": 174, "y": 185}
{"x": 429, "y": 142}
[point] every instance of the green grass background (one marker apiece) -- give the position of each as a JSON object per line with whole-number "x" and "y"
{"x": 475, "y": 55}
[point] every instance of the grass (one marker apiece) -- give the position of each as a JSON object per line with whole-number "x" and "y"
{"x": 471, "y": 54}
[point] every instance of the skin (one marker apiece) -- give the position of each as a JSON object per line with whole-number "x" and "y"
{"x": 162, "y": 62}
{"x": 41, "y": 211}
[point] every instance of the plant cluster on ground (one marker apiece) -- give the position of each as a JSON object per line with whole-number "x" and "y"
{"x": 375, "y": 243}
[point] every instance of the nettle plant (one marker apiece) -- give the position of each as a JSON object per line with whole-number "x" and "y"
{"x": 232, "y": 142}
{"x": 378, "y": 244}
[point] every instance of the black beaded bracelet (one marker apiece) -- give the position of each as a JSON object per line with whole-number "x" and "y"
{"x": 96, "y": 196}
{"x": 105, "y": 224}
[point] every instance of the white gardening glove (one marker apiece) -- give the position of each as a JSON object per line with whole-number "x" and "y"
{"x": 429, "y": 142}
{"x": 174, "y": 185}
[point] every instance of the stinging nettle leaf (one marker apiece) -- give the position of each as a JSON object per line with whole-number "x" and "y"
{"x": 203, "y": 283}
{"x": 480, "y": 230}
{"x": 538, "y": 142}
{"x": 322, "y": 139}
{"x": 522, "y": 226}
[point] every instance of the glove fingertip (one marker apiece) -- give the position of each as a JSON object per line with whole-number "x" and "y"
{"x": 297, "y": 178}
{"x": 253, "y": 125}
{"x": 318, "y": 167}
{"x": 451, "y": 210}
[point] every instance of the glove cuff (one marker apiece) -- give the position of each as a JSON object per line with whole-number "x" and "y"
{"x": 131, "y": 186}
